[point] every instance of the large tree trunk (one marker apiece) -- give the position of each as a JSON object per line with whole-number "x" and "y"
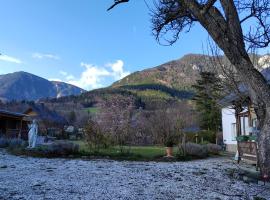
{"x": 259, "y": 93}
{"x": 264, "y": 146}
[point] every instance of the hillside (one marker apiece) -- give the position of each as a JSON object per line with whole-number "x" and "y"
{"x": 155, "y": 87}
{"x": 26, "y": 86}
{"x": 180, "y": 74}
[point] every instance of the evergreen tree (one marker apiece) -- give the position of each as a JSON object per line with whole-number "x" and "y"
{"x": 72, "y": 118}
{"x": 208, "y": 92}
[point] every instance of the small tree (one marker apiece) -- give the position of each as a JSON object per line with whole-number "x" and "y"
{"x": 93, "y": 136}
{"x": 115, "y": 118}
{"x": 179, "y": 126}
{"x": 72, "y": 117}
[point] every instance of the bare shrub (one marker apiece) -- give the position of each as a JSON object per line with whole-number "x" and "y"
{"x": 4, "y": 142}
{"x": 16, "y": 143}
{"x": 59, "y": 149}
{"x": 196, "y": 150}
{"x": 213, "y": 148}
{"x": 12, "y": 143}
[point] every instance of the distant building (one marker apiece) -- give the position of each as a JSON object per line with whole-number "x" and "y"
{"x": 45, "y": 117}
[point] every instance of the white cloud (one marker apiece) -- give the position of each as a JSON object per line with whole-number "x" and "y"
{"x": 70, "y": 77}
{"x": 10, "y": 59}
{"x": 55, "y": 79}
{"x": 45, "y": 56}
{"x": 94, "y": 76}
{"x": 63, "y": 73}
{"x": 91, "y": 78}
{"x": 118, "y": 69}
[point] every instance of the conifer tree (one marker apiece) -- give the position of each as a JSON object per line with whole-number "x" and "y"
{"x": 208, "y": 92}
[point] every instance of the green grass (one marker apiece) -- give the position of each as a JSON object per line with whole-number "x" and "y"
{"x": 153, "y": 94}
{"x": 92, "y": 110}
{"x": 144, "y": 153}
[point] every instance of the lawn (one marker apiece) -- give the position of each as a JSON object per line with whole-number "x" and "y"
{"x": 92, "y": 110}
{"x": 130, "y": 152}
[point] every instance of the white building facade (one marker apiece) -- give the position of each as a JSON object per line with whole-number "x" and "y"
{"x": 232, "y": 127}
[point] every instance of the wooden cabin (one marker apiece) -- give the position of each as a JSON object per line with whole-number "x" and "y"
{"x": 13, "y": 125}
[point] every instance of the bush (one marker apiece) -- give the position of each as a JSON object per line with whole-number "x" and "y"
{"x": 170, "y": 141}
{"x": 16, "y": 143}
{"x": 4, "y": 142}
{"x": 59, "y": 149}
{"x": 213, "y": 149}
{"x": 12, "y": 143}
{"x": 242, "y": 138}
{"x": 209, "y": 136}
{"x": 196, "y": 150}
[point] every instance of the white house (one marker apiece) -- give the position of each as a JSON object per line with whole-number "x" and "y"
{"x": 233, "y": 125}
{"x": 229, "y": 128}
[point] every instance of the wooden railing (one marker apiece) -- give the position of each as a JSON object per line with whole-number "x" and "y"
{"x": 248, "y": 150}
{"x": 15, "y": 133}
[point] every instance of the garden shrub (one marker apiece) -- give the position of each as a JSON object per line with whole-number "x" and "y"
{"x": 60, "y": 149}
{"x": 57, "y": 149}
{"x": 4, "y": 142}
{"x": 16, "y": 143}
{"x": 196, "y": 150}
{"x": 205, "y": 136}
{"x": 12, "y": 143}
{"x": 213, "y": 148}
{"x": 209, "y": 136}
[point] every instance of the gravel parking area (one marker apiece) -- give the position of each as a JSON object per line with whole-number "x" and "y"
{"x": 36, "y": 178}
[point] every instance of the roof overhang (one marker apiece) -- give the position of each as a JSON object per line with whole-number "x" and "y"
{"x": 14, "y": 115}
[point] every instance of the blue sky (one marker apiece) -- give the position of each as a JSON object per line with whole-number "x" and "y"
{"x": 79, "y": 42}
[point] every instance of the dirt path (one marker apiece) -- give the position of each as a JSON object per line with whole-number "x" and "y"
{"x": 34, "y": 178}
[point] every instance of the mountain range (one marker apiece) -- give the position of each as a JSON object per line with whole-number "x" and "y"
{"x": 182, "y": 73}
{"x": 26, "y": 86}
{"x": 166, "y": 81}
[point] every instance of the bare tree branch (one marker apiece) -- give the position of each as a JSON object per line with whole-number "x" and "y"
{"x": 116, "y": 2}
{"x": 208, "y": 5}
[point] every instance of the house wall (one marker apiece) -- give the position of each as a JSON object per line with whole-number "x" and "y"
{"x": 229, "y": 128}
{"x": 11, "y": 127}
{"x": 247, "y": 119}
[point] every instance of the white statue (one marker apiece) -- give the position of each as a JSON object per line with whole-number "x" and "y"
{"x": 32, "y": 134}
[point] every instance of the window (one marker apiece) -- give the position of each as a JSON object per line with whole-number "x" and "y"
{"x": 233, "y": 131}
{"x": 254, "y": 123}
{"x": 244, "y": 125}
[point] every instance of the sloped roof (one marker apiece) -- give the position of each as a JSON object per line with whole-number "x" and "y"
{"x": 12, "y": 114}
{"x": 227, "y": 100}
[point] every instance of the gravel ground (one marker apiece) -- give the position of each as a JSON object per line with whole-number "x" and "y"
{"x": 34, "y": 178}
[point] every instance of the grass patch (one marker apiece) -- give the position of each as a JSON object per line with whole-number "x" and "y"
{"x": 92, "y": 110}
{"x": 143, "y": 153}
{"x": 80, "y": 149}
{"x": 153, "y": 94}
